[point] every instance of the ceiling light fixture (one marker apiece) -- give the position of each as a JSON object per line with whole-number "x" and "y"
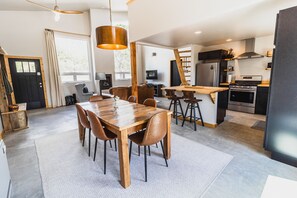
{"x": 229, "y": 40}
{"x": 111, "y": 37}
{"x": 198, "y": 32}
{"x": 56, "y": 8}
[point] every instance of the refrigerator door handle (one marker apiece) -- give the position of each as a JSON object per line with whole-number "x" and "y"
{"x": 214, "y": 83}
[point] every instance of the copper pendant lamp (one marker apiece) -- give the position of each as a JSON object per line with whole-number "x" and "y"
{"x": 111, "y": 37}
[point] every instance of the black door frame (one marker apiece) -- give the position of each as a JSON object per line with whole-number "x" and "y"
{"x": 42, "y": 74}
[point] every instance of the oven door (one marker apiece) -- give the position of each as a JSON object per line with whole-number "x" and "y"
{"x": 242, "y": 97}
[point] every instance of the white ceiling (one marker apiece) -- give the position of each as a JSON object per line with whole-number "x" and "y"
{"x": 82, "y": 5}
{"x": 247, "y": 22}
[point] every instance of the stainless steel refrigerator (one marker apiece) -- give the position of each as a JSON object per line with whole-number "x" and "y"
{"x": 208, "y": 74}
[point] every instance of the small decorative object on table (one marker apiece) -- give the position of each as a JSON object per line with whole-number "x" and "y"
{"x": 116, "y": 98}
{"x": 13, "y": 107}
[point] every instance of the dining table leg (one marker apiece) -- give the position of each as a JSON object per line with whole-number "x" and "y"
{"x": 80, "y": 129}
{"x": 124, "y": 159}
{"x": 167, "y": 138}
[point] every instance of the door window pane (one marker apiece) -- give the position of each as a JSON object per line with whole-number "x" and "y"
{"x": 26, "y": 67}
{"x": 68, "y": 78}
{"x": 19, "y": 67}
{"x": 32, "y": 67}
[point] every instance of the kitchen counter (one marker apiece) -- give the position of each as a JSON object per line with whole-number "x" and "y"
{"x": 214, "y": 102}
{"x": 263, "y": 85}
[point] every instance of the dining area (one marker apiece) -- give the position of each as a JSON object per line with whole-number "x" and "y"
{"x": 118, "y": 120}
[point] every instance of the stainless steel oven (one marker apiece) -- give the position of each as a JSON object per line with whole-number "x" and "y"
{"x": 242, "y": 98}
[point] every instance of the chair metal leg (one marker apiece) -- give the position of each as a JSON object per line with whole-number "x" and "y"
{"x": 170, "y": 105}
{"x": 185, "y": 114}
{"x": 138, "y": 150}
{"x": 89, "y": 142}
{"x": 157, "y": 145}
{"x": 175, "y": 111}
{"x": 110, "y": 144}
{"x": 164, "y": 154}
{"x": 181, "y": 109}
{"x": 83, "y": 143}
{"x": 149, "y": 149}
{"x": 104, "y": 157}
{"x": 145, "y": 164}
{"x": 195, "y": 127}
{"x": 115, "y": 145}
{"x": 200, "y": 114}
{"x": 130, "y": 150}
{"x": 191, "y": 114}
{"x": 95, "y": 149}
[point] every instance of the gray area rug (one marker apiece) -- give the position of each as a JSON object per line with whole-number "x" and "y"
{"x": 259, "y": 125}
{"x": 67, "y": 171}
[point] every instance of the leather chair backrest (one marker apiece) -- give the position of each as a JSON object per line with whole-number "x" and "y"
{"x": 96, "y": 126}
{"x": 82, "y": 116}
{"x": 132, "y": 99}
{"x": 170, "y": 93}
{"x": 145, "y": 92}
{"x": 150, "y": 102}
{"x": 95, "y": 98}
{"x": 122, "y": 92}
{"x": 189, "y": 95}
{"x": 156, "y": 129}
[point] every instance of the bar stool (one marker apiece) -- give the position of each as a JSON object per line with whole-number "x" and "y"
{"x": 192, "y": 104}
{"x": 175, "y": 100}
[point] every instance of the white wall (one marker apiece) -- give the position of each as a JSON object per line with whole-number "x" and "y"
{"x": 22, "y": 33}
{"x": 249, "y": 66}
{"x": 160, "y": 62}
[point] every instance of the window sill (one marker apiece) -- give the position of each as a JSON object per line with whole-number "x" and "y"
{"x": 123, "y": 79}
{"x": 75, "y": 82}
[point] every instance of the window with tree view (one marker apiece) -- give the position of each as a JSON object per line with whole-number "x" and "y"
{"x": 122, "y": 61}
{"x": 73, "y": 57}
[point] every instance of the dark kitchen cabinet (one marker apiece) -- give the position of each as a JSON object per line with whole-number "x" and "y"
{"x": 261, "y": 100}
{"x": 281, "y": 119}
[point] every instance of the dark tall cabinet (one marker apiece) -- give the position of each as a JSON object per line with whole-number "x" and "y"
{"x": 281, "y": 126}
{"x": 174, "y": 75}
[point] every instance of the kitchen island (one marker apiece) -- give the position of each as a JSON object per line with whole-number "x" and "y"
{"x": 214, "y": 102}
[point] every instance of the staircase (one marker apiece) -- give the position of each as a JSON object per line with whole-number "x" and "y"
{"x": 183, "y": 62}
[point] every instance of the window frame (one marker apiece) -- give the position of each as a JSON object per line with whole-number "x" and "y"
{"x": 89, "y": 52}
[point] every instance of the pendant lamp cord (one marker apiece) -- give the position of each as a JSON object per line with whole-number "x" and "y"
{"x": 110, "y": 12}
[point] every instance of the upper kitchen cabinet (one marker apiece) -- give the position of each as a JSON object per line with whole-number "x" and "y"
{"x": 281, "y": 128}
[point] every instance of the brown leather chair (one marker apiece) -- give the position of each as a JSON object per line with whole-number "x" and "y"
{"x": 83, "y": 119}
{"x": 95, "y": 98}
{"x": 100, "y": 133}
{"x": 154, "y": 133}
{"x": 150, "y": 102}
{"x": 144, "y": 92}
{"x": 132, "y": 99}
{"x": 122, "y": 92}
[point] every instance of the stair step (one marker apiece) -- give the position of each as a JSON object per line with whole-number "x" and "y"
{"x": 186, "y": 66}
{"x": 185, "y": 61}
{"x": 185, "y": 56}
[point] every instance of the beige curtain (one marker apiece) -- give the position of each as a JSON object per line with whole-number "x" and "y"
{"x": 56, "y": 89}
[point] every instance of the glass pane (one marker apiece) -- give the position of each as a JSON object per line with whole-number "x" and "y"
{"x": 26, "y": 66}
{"x": 19, "y": 67}
{"x": 32, "y": 67}
{"x": 73, "y": 54}
{"x": 82, "y": 77}
{"x": 68, "y": 78}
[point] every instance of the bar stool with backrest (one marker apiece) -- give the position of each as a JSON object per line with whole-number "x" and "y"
{"x": 83, "y": 119}
{"x": 155, "y": 131}
{"x": 100, "y": 133}
{"x": 175, "y": 100}
{"x": 192, "y": 104}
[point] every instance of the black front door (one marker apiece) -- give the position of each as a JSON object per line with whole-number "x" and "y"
{"x": 27, "y": 82}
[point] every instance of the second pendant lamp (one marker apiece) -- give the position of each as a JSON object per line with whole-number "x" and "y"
{"x": 111, "y": 37}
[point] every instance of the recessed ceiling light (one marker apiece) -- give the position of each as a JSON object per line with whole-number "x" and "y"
{"x": 228, "y": 40}
{"x": 198, "y": 32}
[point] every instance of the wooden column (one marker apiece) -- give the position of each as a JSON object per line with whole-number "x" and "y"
{"x": 133, "y": 70}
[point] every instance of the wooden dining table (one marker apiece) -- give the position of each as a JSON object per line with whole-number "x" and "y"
{"x": 124, "y": 118}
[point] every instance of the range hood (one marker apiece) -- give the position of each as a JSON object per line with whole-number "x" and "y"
{"x": 249, "y": 50}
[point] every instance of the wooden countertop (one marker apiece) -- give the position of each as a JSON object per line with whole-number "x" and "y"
{"x": 198, "y": 89}
{"x": 263, "y": 85}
